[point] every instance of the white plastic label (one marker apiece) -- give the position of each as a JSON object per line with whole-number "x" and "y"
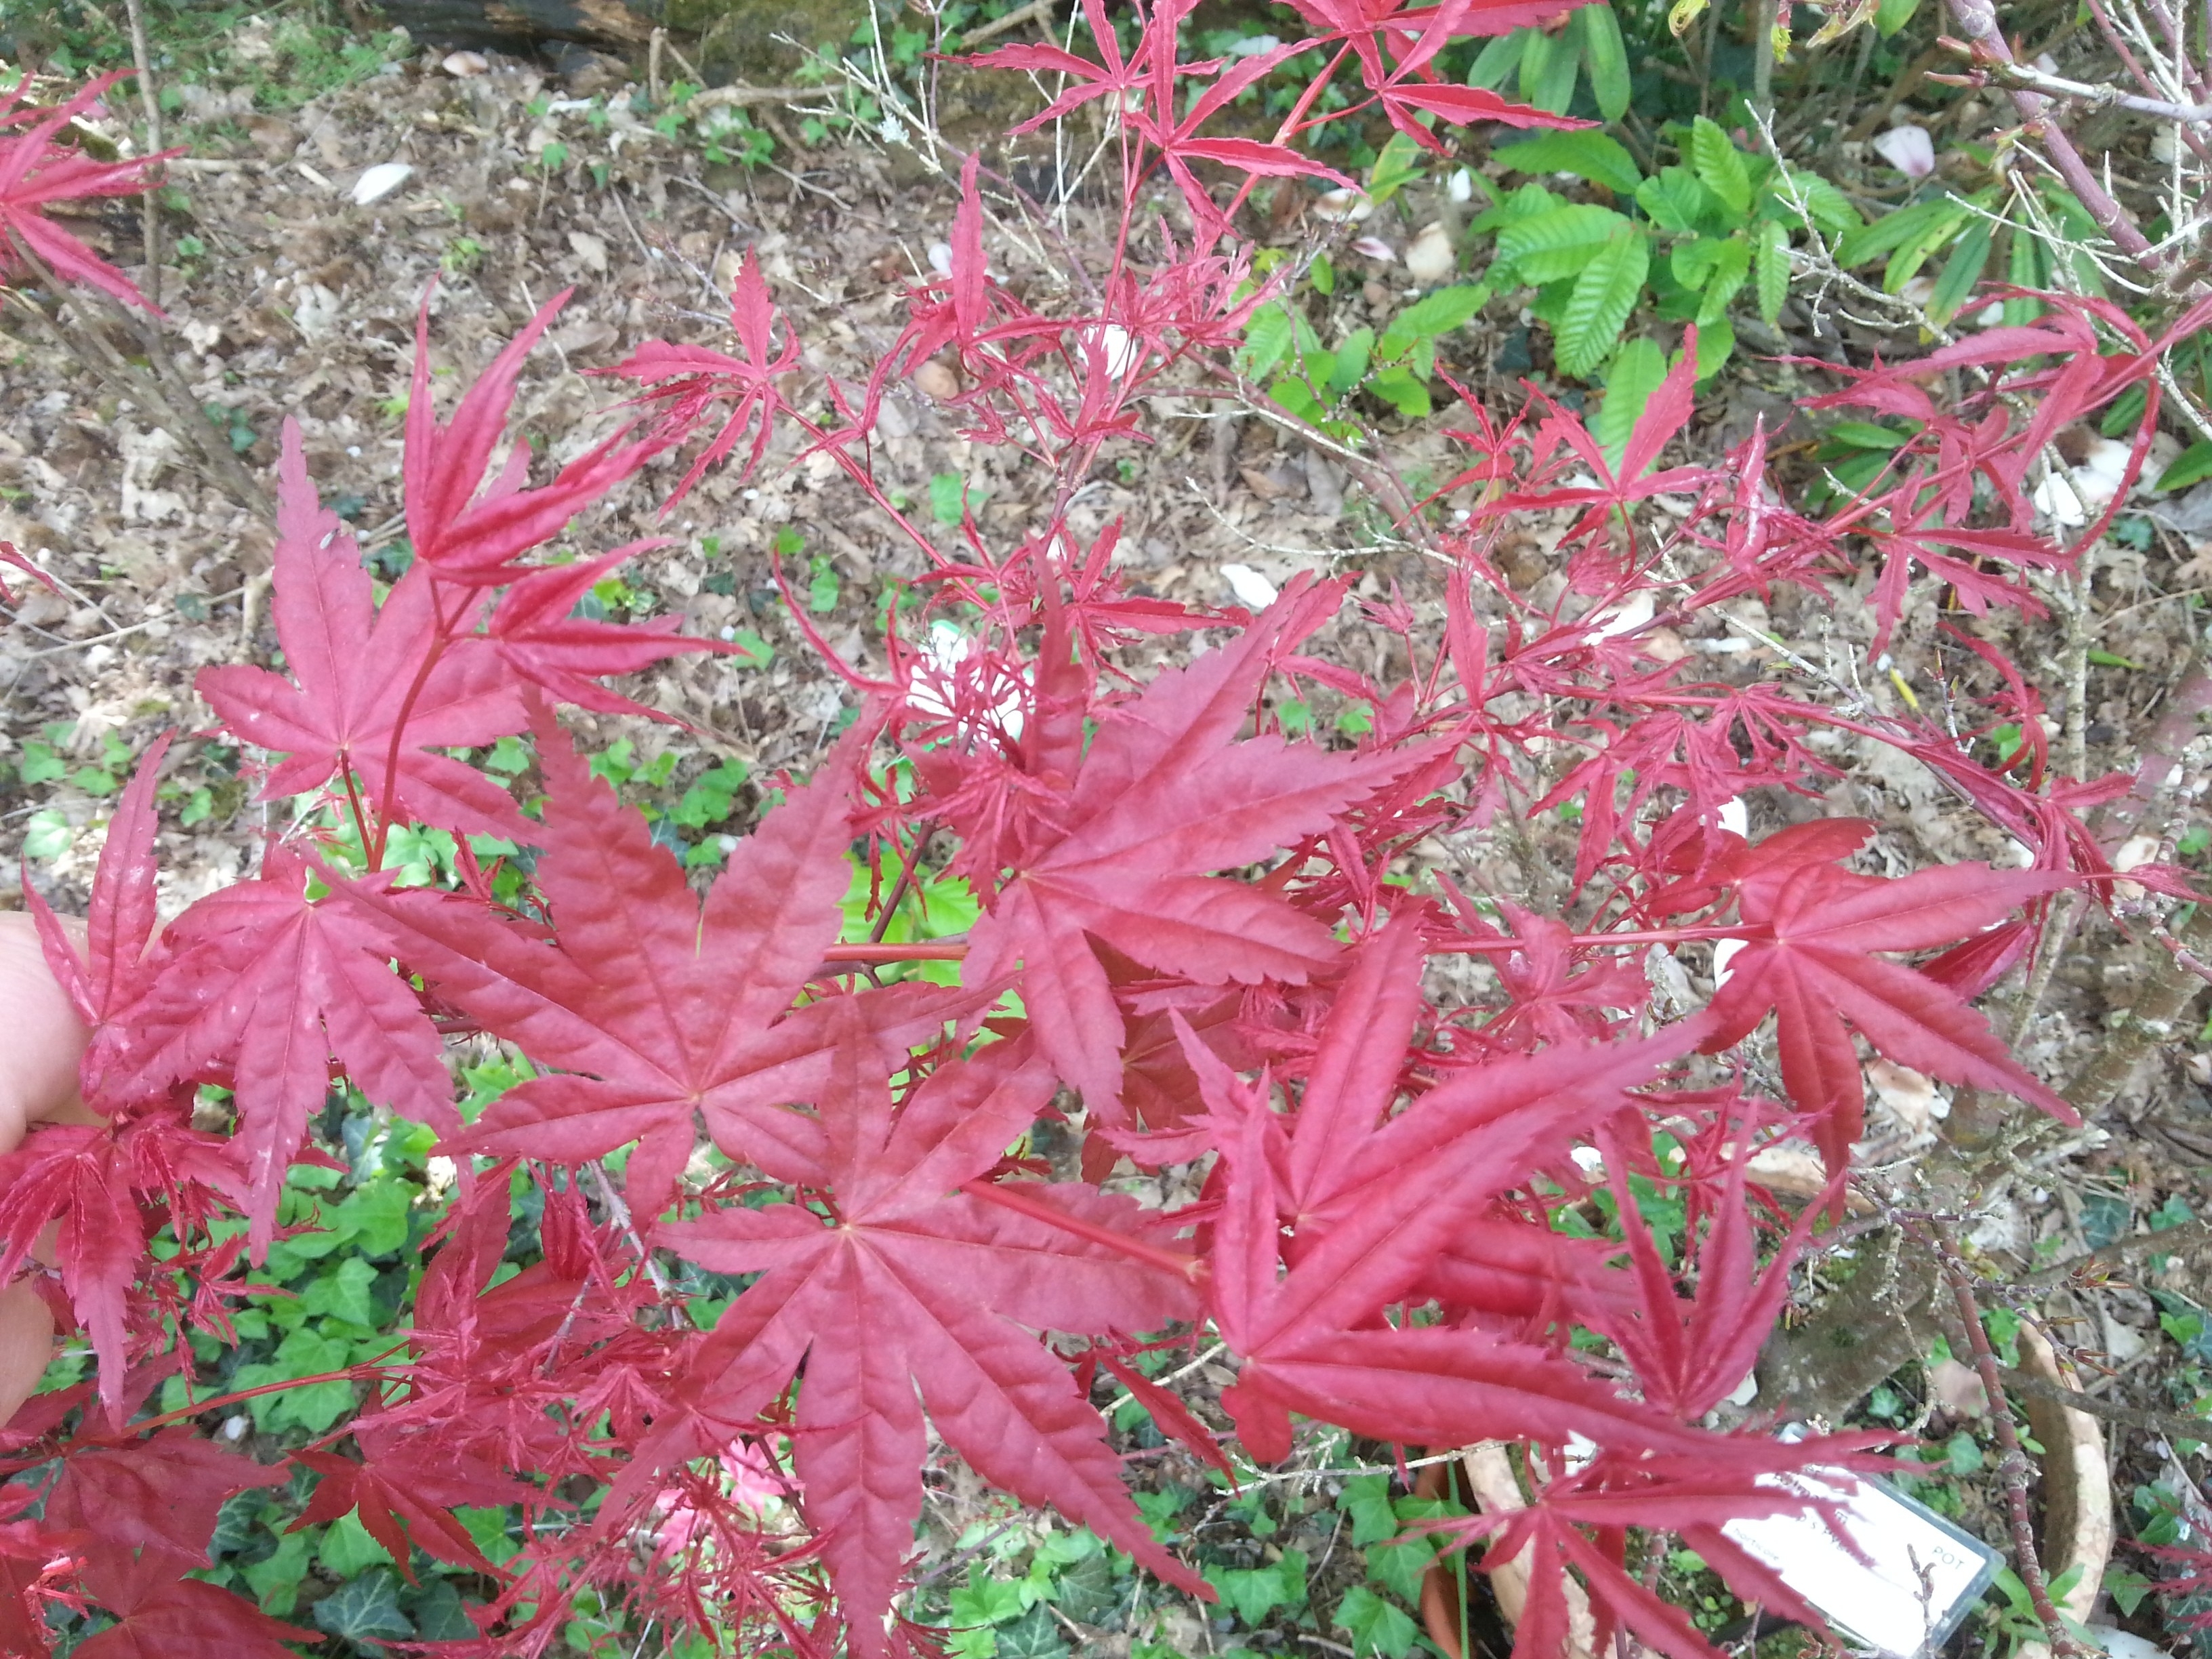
{"x": 1918, "y": 1577}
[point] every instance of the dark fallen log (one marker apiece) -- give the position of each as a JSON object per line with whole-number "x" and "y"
{"x": 520, "y": 26}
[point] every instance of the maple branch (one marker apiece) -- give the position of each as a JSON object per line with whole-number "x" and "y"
{"x": 2013, "y": 1465}
{"x": 1977, "y": 21}
{"x": 941, "y": 951}
{"x": 370, "y": 1372}
{"x": 1190, "y": 1267}
{"x": 439, "y": 638}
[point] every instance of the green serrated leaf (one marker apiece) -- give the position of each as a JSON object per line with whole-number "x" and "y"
{"x": 2028, "y": 266}
{"x": 1605, "y": 55}
{"x": 1586, "y": 153}
{"x": 1635, "y": 373}
{"x": 1402, "y": 391}
{"x": 1719, "y": 165}
{"x": 1828, "y": 207}
{"x": 1267, "y": 337}
{"x": 1604, "y": 294}
{"x": 1771, "y": 258}
{"x": 1552, "y": 246}
{"x": 1351, "y": 361}
{"x": 1715, "y": 345}
{"x": 1436, "y": 314}
{"x": 1674, "y": 201}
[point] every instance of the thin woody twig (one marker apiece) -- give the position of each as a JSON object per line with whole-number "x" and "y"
{"x": 2012, "y": 1463}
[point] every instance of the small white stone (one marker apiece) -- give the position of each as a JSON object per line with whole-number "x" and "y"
{"x": 379, "y": 181}
{"x": 1252, "y": 591}
{"x": 462, "y": 65}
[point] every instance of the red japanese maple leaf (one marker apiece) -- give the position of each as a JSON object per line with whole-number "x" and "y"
{"x": 351, "y": 664}
{"x": 260, "y": 979}
{"x": 9, "y": 555}
{"x": 1126, "y": 828}
{"x": 536, "y": 632}
{"x": 409, "y": 1496}
{"x": 36, "y": 172}
{"x": 1369, "y": 1204}
{"x": 1631, "y": 479}
{"x": 655, "y": 1008}
{"x": 87, "y": 1180}
{"x": 112, "y": 972}
{"x": 690, "y": 380}
{"x": 469, "y": 531}
{"x": 904, "y": 1281}
{"x": 159, "y": 1617}
{"x": 1810, "y": 961}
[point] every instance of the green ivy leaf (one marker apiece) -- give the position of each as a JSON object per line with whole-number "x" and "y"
{"x": 364, "y": 1609}
{"x": 275, "y": 1579}
{"x": 440, "y": 1615}
{"x": 1374, "y": 1625}
{"x": 1398, "y": 1565}
{"x": 1604, "y": 295}
{"x": 1036, "y": 1635}
{"x": 1365, "y": 1501}
{"x": 1253, "y": 1593}
{"x": 347, "y": 1549}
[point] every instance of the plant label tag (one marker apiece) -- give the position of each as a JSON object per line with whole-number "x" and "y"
{"x": 1919, "y": 1576}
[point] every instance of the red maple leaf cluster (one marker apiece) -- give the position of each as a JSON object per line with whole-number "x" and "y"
{"x": 1198, "y": 946}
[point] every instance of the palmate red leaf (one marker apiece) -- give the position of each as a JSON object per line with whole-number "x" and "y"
{"x": 1811, "y": 965}
{"x": 463, "y": 529}
{"x": 351, "y": 664}
{"x": 405, "y": 1499}
{"x": 1374, "y": 1204}
{"x": 688, "y": 381}
{"x": 112, "y": 972}
{"x": 1163, "y": 793}
{"x": 655, "y": 1009}
{"x": 907, "y": 1283}
{"x": 35, "y": 172}
{"x": 537, "y": 634}
{"x": 258, "y": 978}
{"x": 153, "y": 1499}
{"x": 160, "y": 1616}
{"x": 86, "y": 1180}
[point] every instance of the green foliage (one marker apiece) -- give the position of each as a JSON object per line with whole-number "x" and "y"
{"x": 1374, "y": 1625}
{"x": 1688, "y": 242}
{"x": 1546, "y": 68}
{"x": 1253, "y": 1593}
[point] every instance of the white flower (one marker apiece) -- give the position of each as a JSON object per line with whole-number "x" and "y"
{"x": 1374, "y": 248}
{"x": 1909, "y": 149}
